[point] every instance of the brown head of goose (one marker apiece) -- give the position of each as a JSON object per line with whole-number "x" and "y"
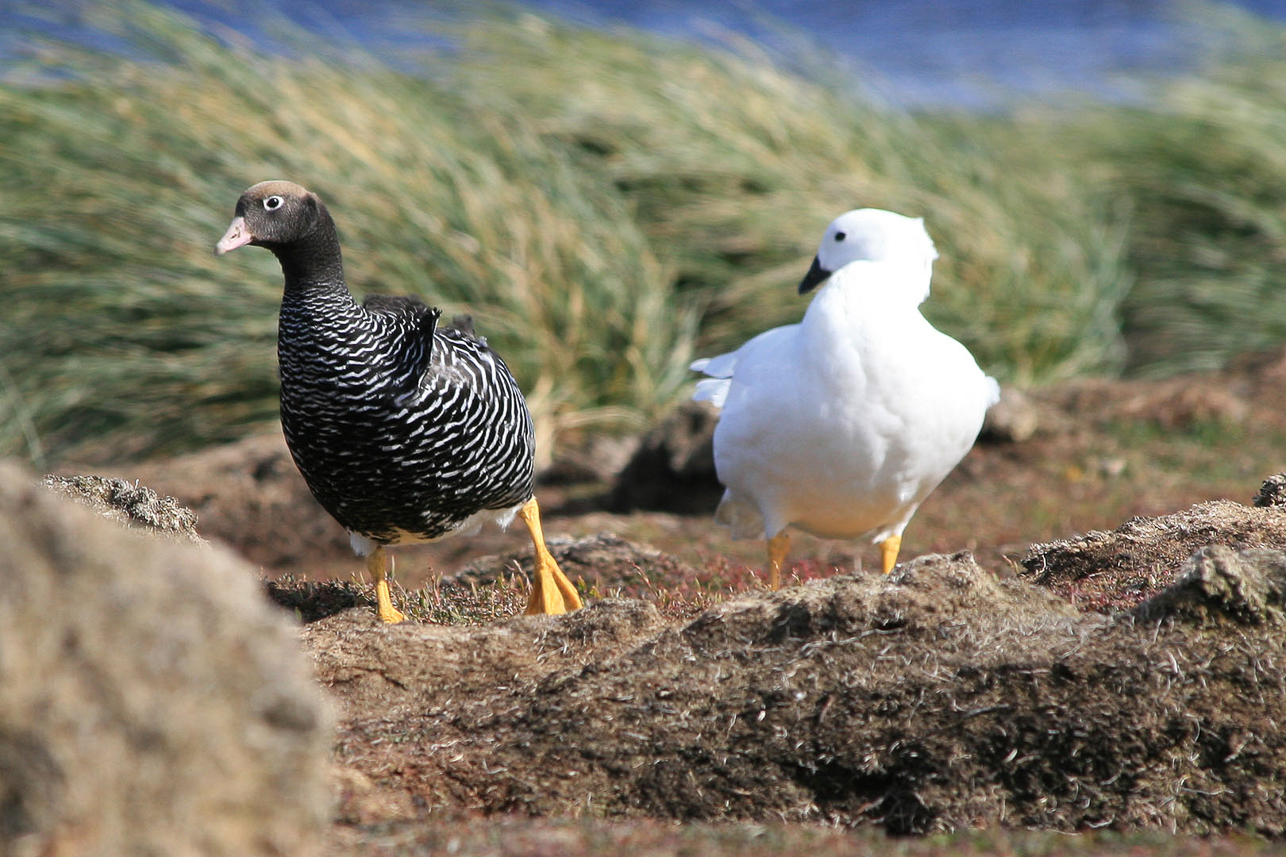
{"x": 406, "y": 430}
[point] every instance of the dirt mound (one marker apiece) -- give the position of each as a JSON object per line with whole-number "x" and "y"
{"x": 1107, "y": 570}
{"x": 248, "y": 494}
{"x": 604, "y": 561}
{"x": 380, "y": 671}
{"x": 1272, "y": 492}
{"x": 939, "y": 698}
{"x": 153, "y": 702}
{"x": 127, "y": 503}
{"x": 1218, "y": 584}
{"x": 673, "y": 467}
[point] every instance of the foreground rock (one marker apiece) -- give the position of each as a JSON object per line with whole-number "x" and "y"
{"x": 936, "y": 699}
{"x": 153, "y": 702}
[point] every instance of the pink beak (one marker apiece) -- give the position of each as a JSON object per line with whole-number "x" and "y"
{"x": 236, "y": 236}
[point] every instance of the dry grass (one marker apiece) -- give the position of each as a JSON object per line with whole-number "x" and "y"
{"x": 736, "y": 167}
{"x": 521, "y": 837}
{"x": 606, "y": 204}
{"x": 129, "y": 337}
{"x": 1205, "y": 172}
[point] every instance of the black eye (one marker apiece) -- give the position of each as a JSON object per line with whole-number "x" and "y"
{"x": 272, "y": 203}
{"x": 840, "y": 236}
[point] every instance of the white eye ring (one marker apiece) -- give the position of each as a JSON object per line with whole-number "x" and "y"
{"x": 272, "y": 203}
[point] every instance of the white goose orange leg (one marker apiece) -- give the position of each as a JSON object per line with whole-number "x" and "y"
{"x": 778, "y": 546}
{"x": 375, "y": 564}
{"x": 551, "y": 591}
{"x": 889, "y": 552}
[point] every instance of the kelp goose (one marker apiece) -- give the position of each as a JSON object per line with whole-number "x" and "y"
{"x": 405, "y": 430}
{"x": 843, "y": 424}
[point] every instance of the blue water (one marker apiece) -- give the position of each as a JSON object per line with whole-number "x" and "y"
{"x": 967, "y": 53}
{"x": 972, "y": 53}
{"x": 960, "y": 52}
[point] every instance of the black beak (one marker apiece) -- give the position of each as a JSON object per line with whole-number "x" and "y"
{"x": 816, "y": 274}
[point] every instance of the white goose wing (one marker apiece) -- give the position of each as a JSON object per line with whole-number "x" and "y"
{"x": 723, "y": 369}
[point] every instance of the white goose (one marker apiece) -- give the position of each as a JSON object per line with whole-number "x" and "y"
{"x": 843, "y": 424}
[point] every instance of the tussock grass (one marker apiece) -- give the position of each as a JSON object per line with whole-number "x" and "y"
{"x": 607, "y": 205}
{"x": 735, "y": 168}
{"x": 129, "y": 337}
{"x": 1205, "y": 171}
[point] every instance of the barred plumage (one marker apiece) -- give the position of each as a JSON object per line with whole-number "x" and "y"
{"x": 394, "y": 451}
{"x": 404, "y": 430}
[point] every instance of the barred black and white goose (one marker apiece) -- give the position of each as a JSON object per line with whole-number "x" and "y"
{"x": 405, "y": 430}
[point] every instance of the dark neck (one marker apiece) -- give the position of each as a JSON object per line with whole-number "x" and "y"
{"x": 313, "y": 261}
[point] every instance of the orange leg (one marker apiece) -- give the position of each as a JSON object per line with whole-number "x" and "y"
{"x": 551, "y": 591}
{"x": 375, "y": 564}
{"x": 889, "y": 552}
{"x": 778, "y": 546}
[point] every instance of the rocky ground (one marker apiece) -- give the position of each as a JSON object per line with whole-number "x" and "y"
{"x": 1086, "y": 632}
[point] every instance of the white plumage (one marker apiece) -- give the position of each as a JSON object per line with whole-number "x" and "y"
{"x": 843, "y": 424}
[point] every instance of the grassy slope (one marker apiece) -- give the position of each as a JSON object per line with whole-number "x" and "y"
{"x": 735, "y": 169}
{"x": 606, "y": 205}
{"x": 1206, "y": 174}
{"x": 130, "y": 337}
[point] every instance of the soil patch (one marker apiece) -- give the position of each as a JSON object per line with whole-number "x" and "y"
{"x": 937, "y": 699}
{"x": 1137, "y": 687}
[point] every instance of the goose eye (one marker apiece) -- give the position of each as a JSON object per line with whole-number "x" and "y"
{"x": 272, "y": 203}
{"x": 840, "y": 236}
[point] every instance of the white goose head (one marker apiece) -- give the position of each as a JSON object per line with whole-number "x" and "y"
{"x": 870, "y": 235}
